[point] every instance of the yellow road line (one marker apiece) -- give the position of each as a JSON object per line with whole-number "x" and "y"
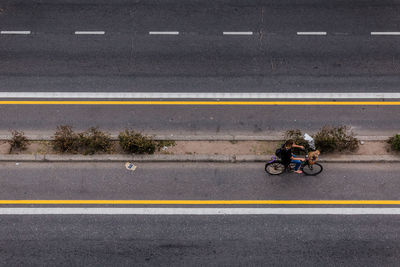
{"x": 205, "y": 202}
{"x": 216, "y": 103}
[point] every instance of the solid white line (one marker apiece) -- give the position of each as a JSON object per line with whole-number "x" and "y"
{"x": 385, "y": 33}
{"x": 311, "y": 33}
{"x": 15, "y": 32}
{"x": 238, "y": 33}
{"x": 90, "y": 32}
{"x": 164, "y": 33}
{"x": 201, "y": 211}
{"x": 186, "y": 95}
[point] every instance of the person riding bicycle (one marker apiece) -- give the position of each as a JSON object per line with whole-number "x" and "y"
{"x": 288, "y": 157}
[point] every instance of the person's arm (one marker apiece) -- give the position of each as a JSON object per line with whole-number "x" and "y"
{"x": 294, "y": 145}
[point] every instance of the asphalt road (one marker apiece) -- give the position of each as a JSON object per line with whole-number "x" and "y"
{"x": 193, "y": 240}
{"x": 230, "y": 240}
{"x": 200, "y": 59}
{"x": 194, "y": 181}
{"x": 200, "y": 120}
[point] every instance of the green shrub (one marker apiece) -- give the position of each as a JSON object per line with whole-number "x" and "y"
{"x": 134, "y": 142}
{"x": 66, "y": 140}
{"x": 394, "y": 142}
{"x": 89, "y": 142}
{"x": 340, "y": 138}
{"x": 93, "y": 140}
{"x": 18, "y": 141}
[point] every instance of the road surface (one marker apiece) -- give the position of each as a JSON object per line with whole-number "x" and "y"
{"x": 199, "y": 46}
{"x": 182, "y": 240}
{"x": 200, "y": 57}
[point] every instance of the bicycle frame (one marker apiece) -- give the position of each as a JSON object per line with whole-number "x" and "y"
{"x": 272, "y": 159}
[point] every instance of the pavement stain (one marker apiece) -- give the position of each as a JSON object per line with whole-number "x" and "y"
{"x": 177, "y": 246}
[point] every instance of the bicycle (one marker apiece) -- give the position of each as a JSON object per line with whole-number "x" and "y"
{"x": 276, "y": 167}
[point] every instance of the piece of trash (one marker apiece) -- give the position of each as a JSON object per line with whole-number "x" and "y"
{"x": 361, "y": 142}
{"x": 130, "y": 166}
{"x": 164, "y": 148}
{"x": 310, "y": 140}
{"x": 17, "y": 163}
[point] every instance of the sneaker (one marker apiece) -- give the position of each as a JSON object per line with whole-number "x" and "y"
{"x": 299, "y": 172}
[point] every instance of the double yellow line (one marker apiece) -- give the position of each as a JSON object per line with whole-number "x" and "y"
{"x": 209, "y": 103}
{"x": 200, "y": 202}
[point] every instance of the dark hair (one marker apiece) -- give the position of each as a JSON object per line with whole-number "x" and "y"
{"x": 289, "y": 143}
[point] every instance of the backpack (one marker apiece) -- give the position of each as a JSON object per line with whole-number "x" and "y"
{"x": 278, "y": 152}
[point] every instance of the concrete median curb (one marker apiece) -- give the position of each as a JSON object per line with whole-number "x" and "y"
{"x": 186, "y": 158}
{"x": 173, "y": 137}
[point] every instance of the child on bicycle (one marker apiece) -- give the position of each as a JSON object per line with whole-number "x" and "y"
{"x": 288, "y": 157}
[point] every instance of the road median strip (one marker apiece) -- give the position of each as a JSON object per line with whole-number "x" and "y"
{"x": 278, "y": 136}
{"x": 227, "y": 148}
{"x": 182, "y": 148}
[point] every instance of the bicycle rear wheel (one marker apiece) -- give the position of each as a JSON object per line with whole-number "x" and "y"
{"x": 313, "y": 170}
{"x": 274, "y": 168}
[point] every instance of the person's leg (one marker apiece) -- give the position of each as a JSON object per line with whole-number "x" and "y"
{"x": 298, "y": 164}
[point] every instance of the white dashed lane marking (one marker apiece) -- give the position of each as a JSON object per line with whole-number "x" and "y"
{"x": 15, "y": 32}
{"x": 237, "y": 33}
{"x": 224, "y": 33}
{"x": 385, "y": 33}
{"x": 89, "y": 32}
{"x": 164, "y": 33}
{"x": 311, "y": 33}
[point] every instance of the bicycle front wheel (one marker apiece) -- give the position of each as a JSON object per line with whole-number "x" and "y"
{"x": 313, "y": 170}
{"x": 274, "y": 168}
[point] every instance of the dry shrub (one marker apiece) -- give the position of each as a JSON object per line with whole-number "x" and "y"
{"x": 327, "y": 139}
{"x": 136, "y": 143}
{"x": 89, "y": 142}
{"x": 93, "y": 140}
{"x": 66, "y": 140}
{"x": 332, "y": 139}
{"x": 18, "y": 141}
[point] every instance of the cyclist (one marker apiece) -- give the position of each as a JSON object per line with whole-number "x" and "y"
{"x": 288, "y": 157}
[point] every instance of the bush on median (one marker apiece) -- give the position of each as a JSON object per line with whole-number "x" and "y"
{"x": 339, "y": 138}
{"x": 93, "y": 140}
{"x": 66, "y": 140}
{"x": 18, "y": 141}
{"x": 136, "y": 143}
{"x": 394, "y": 142}
{"x": 327, "y": 139}
{"x": 89, "y": 142}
